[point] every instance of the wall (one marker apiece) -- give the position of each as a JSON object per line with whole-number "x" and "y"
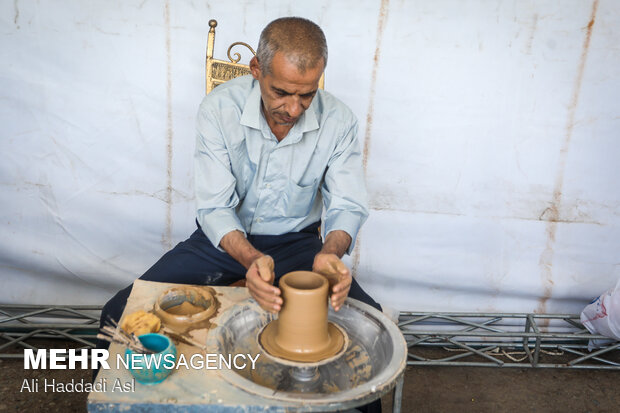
{"x": 490, "y": 132}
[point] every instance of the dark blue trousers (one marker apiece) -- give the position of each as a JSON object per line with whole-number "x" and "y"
{"x": 197, "y": 261}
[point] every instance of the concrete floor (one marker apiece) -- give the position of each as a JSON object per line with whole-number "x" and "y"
{"x": 481, "y": 389}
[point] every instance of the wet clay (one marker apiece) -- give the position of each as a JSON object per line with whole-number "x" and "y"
{"x": 187, "y": 308}
{"x": 333, "y": 345}
{"x": 301, "y": 332}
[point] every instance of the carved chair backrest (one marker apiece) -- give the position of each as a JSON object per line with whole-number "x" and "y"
{"x": 220, "y": 71}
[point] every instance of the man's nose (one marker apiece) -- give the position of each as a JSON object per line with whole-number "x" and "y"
{"x": 295, "y": 109}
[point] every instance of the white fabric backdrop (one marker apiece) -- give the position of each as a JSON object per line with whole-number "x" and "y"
{"x": 491, "y": 133}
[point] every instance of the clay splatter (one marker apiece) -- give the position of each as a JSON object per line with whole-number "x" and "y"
{"x": 16, "y": 19}
{"x": 383, "y": 15}
{"x": 530, "y": 40}
{"x": 167, "y": 235}
{"x": 552, "y": 213}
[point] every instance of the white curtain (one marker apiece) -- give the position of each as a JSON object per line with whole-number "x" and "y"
{"x": 490, "y": 130}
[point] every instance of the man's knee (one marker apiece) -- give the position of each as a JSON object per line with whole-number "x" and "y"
{"x": 358, "y": 293}
{"x": 113, "y": 309}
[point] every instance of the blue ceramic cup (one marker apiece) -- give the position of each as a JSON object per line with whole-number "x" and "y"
{"x": 152, "y": 368}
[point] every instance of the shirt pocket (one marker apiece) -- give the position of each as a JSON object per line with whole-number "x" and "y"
{"x": 299, "y": 199}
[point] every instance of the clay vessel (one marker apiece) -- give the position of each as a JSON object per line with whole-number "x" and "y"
{"x": 182, "y": 307}
{"x": 302, "y": 322}
{"x": 301, "y": 333}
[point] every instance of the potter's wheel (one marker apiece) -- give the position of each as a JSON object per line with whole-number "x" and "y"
{"x": 374, "y": 357}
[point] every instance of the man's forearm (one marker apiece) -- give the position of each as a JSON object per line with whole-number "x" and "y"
{"x": 337, "y": 242}
{"x": 238, "y": 247}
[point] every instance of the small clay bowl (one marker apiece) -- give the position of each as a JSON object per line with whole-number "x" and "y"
{"x": 160, "y": 364}
{"x": 174, "y": 297}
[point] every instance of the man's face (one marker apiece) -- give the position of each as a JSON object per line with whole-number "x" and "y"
{"x": 286, "y": 92}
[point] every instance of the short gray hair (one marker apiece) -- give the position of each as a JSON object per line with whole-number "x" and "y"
{"x": 301, "y": 40}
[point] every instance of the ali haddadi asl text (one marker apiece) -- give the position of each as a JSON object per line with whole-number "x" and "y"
{"x": 77, "y": 386}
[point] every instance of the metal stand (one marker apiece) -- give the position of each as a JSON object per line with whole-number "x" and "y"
{"x": 20, "y": 324}
{"x": 504, "y": 340}
{"x": 398, "y": 394}
{"x": 469, "y": 339}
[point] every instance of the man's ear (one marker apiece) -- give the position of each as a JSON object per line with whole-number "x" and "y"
{"x": 255, "y": 68}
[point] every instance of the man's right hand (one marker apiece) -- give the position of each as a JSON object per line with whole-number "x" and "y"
{"x": 259, "y": 280}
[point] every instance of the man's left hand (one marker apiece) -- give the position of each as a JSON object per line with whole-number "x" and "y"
{"x": 338, "y": 275}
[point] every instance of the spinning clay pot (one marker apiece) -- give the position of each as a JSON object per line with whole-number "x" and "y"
{"x": 301, "y": 332}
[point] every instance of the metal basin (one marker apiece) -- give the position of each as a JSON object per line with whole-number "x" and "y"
{"x": 374, "y": 359}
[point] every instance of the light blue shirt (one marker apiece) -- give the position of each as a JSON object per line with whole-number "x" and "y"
{"x": 248, "y": 181}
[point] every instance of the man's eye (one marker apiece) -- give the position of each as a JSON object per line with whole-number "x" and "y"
{"x": 281, "y": 93}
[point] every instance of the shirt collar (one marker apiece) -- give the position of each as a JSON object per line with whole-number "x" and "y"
{"x": 308, "y": 120}
{"x": 251, "y": 115}
{"x": 251, "y": 111}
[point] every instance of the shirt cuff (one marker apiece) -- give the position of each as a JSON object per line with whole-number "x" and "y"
{"x": 217, "y": 223}
{"x": 347, "y": 221}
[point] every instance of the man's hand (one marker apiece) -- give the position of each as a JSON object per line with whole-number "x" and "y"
{"x": 259, "y": 280}
{"x": 337, "y": 274}
{"x": 259, "y": 276}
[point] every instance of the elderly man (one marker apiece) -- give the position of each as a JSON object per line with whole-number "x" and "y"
{"x": 269, "y": 148}
{"x": 272, "y": 150}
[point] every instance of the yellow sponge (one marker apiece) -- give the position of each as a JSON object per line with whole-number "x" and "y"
{"x": 140, "y": 323}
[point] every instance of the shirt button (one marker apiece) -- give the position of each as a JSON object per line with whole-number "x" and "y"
{"x": 267, "y": 186}
{"x": 259, "y": 220}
